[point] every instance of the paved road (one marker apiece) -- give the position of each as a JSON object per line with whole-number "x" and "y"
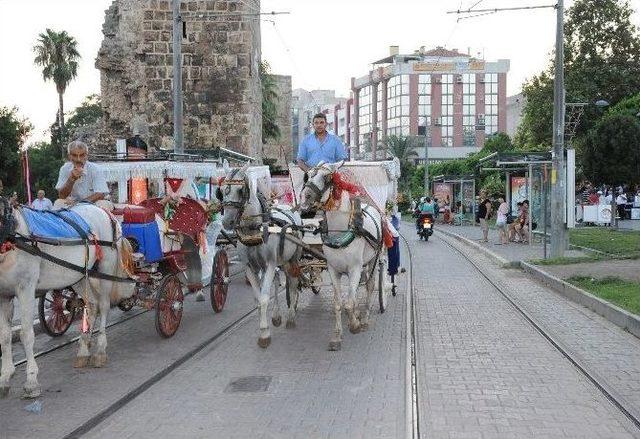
{"x": 483, "y": 371}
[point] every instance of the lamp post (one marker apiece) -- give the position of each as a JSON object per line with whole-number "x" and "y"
{"x": 426, "y": 163}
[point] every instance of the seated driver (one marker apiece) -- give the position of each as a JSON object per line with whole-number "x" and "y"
{"x": 80, "y": 180}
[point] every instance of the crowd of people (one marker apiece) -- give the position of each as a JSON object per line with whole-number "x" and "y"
{"x": 512, "y": 226}
{"x": 624, "y": 196}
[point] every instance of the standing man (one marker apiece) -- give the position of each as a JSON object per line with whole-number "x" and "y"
{"x": 320, "y": 146}
{"x": 41, "y": 202}
{"x": 484, "y": 213}
{"x": 79, "y": 179}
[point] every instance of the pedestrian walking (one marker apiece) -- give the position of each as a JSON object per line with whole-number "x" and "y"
{"x": 501, "y": 221}
{"x": 484, "y": 213}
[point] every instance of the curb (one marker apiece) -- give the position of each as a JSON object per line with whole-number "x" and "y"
{"x": 497, "y": 259}
{"x": 613, "y": 313}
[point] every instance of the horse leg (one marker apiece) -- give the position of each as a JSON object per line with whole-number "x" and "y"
{"x": 6, "y": 314}
{"x": 82, "y": 357}
{"x": 292, "y": 289}
{"x": 276, "y": 318}
{"x": 370, "y": 286}
{"x": 263, "y": 303}
{"x": 355, "y": 272}
{"x": 26, "y": 295}
{"x": 99, "y": 357}
{"x": 335, "y": 344}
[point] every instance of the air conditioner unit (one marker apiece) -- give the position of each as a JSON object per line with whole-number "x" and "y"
{"x": 480, "y": 125}
{"x": 437, "y": 122}
{"x": 481, "y": 81}
{"x": 459, "y": 79}
{"x": 438, "y": 80}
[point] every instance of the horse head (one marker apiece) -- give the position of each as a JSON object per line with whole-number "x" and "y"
{"x": 317, "y": 184}
{"x": 233, "y": 193}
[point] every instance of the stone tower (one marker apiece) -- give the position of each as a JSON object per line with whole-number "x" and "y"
{"x": 221, "y": 81}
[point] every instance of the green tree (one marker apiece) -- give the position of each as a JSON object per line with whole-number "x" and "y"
{"x": 57, "y": 54}
{"x": 13, "y": 132}
{"x": 602, "y": 60}
{"x": 612, "y": 151}
{"x": 270, "y": 128}
{"x": 44, "y": 164}
{"x": 403, "y": 148}
{"x": 79, "y": 122}
{"x": 629, "y": 106}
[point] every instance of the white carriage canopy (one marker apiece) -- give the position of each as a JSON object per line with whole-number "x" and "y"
{"x": 380, "y": 179}
{"x": 157, "y": 170}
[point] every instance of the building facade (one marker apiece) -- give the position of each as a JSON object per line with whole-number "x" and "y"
{"x": 515, "y": 105}
{"x": 305, "y": 104}
{"x": 450, "y": 101}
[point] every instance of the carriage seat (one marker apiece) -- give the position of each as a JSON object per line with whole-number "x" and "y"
{"x": 132, "y": 214}
{"x": 190, "y": 217}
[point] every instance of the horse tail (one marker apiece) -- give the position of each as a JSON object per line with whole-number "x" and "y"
{"x": 126, "y": 257}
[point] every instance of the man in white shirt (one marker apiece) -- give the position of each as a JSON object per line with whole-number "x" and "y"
{"x": 621, "y": 202}
{"x": 79, "y": 179}
{"x": 42, "y": 203}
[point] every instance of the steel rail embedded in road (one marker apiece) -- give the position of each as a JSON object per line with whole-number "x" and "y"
{"x": 623, "y": 406}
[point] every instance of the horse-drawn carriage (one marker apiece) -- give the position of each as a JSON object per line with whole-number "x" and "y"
{"x": 176, "y": 243}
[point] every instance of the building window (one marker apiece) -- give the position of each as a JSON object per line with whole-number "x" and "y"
{"x": 398, "y": 106}
{"x": 424, "y": 107}
{"x": 490, "y": 104}
{"x": 364, "y": 115}
{"x": 468, "y": 109}
{"x": 446, "y": 121}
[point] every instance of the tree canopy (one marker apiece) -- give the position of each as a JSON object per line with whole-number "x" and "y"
{"x": 13, "y": 132}
{"x": 270, "y": 128}
{"x": 602, "y": 61}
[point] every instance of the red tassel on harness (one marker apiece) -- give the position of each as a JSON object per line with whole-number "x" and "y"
{"x": 84, "y": 326}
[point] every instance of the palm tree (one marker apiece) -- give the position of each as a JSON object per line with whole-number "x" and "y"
{"x": 403, "y": 148}
{"x": 57, "y": 54}
{"x": 270, "y": 128}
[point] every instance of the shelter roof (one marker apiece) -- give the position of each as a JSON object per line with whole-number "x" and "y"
{"x": 515, "y": 160}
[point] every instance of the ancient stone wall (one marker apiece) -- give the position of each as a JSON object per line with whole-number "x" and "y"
{"x": 221, "y": 83}
{"x": 281, "y": 149}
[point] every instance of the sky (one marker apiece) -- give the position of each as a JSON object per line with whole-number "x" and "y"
{"x": 321, "y": 44}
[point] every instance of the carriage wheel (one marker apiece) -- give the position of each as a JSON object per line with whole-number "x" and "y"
{"x": 219, "y": 280}
{"x": 381, "y": 297}
{"x": 169, "y": 304}
{"x": 56, "y": 310}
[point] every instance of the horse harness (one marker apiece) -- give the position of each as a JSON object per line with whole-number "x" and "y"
{"x": 29, "y": 244}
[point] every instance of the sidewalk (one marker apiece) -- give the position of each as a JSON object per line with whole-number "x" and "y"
{"x": 555, "y": 276}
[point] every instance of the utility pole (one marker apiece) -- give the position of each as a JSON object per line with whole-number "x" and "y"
{"x": 178, "y": 146}
{"x": 558, "y": 176}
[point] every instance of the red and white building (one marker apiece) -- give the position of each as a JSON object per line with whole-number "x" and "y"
{"x": 452, "y": 98}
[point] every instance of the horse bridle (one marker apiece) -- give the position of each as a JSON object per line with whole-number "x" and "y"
{"x": 316, "y": 190}
{"x": 8, "y": 223}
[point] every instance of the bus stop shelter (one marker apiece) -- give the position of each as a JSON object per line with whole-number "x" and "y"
{"x": 527, "y": 178}
{"x": 458, "y": 188}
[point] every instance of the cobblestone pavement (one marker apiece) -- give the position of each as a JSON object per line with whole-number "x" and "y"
{"x": 483, "y": 371}
{"x": 357, "y": 392}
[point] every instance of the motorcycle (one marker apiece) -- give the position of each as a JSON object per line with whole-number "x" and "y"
{"x": 425, "y": 226}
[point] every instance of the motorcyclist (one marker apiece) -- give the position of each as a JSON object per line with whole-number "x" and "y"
{"x": 426, "y": 210}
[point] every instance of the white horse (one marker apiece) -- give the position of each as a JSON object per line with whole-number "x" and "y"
{"x": 356, "y": 258}
{"x": 22, "y": 274}
{"x": 246, "y": 214}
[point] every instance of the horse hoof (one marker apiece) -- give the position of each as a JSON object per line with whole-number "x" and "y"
{"x": 80, "y": 362}
{"x": 291, "y": 324}
{"x": 354, "y": 329}
{"x": 4, "y": 392}
{"x": 264, "y": 342}
{"x": 31, "y": 393}
{"x": 335, "y": 345}
{"x": 364, "y": 327}
{"x": 98, "y": 360}
{"x": 277, "y": 321}
{"x": 200, "y": 296}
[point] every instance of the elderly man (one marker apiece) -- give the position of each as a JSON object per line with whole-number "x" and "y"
{"x": 79, "y": 179}
{"x": 41, "y": 202}
{"x": 320, "y": 146}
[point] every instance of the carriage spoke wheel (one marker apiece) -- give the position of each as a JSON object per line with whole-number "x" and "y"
{"x": 56, "y": 310}
{"x": 219, "y": 280}
{"x": 169, "y": 304}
